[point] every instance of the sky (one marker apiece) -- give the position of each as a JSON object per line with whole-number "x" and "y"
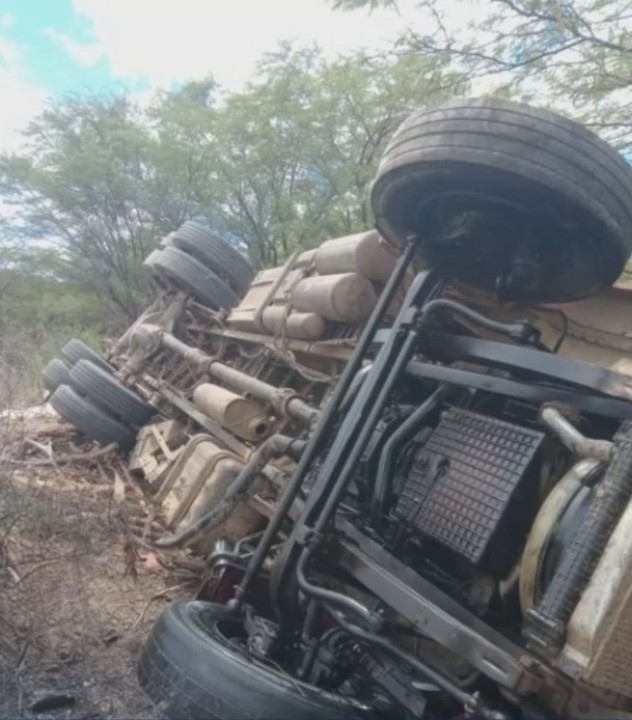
{"x": 49, "y": 48}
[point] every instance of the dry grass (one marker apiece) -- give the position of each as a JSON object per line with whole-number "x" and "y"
{"x": 73, "y": 590}
{"x": 19, "y": 380}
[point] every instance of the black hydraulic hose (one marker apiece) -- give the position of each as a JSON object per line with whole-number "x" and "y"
{"x": 274, "y": 446}
{"x": 326, "y": 419}
{"x": 350, "y": 459}
{"x": 310, "y": 656}
{"x": 563, "y": 321}
{"x": 371, "y": 638}
{"x": 357, "y": 448}
{"x": 337, "y": 467}
{"x": 234, "y": 554}
{"x": 403, "y": 433}
{"x": 521, "y": 331}
{"x": 473, "y": 705}
{"x": 331, "y": 597}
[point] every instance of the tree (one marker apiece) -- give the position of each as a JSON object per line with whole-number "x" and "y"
{"x": 280, "y": 165}
{"x": 80, "y": 186}
{"x": 299, "y": 147}
{"x": 574, "y": 54}
{"x": 102, "y": 180}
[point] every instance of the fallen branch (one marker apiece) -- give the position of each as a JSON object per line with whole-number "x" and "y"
{"x": 66, "y": 459}
{"x": 47, "y": 450}
{"x": 14, "y": 576}
{"x": 46, "y": 563}
{"x": 157, "y": 596}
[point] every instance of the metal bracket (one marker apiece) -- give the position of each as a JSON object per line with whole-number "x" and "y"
{"x": 435, "y": 614}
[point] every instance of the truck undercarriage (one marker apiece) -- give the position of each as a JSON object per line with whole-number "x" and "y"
{"x": 410, "y": 501}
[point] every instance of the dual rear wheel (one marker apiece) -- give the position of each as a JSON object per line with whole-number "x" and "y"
{"x": 196, "y": 260}
{"x": 85, "y": 391}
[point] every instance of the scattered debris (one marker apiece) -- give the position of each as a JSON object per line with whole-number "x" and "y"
{"x": 76, "y": 596}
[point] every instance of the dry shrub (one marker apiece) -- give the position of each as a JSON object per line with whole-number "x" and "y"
{"x": 19, "y": 380}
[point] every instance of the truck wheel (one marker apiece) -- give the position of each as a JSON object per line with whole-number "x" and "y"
{"x": 190, "y": 275}
{"x": 75, "y": 350}
{"x": 55, "y": 373}
{"x": 216, "y": 253}
{"x": 110, "y": 394}
{"x": 90, "y": 420}
{"x": 480, "y": 180}
{"x": 192, "y": 664}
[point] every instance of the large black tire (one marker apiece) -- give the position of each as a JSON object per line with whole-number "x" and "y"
{"x": 105, "y": 390}
{"x": 75, "y": 350}
{"x": 55, "y": 373}
{"x": 192, "y": 276}
{"x": 190, "y": 665}
{"x": 534, "y": 167}
{"x": 216, "y": 253}
{"x": 90, "y": 420}
{"x": 150, "y": 260}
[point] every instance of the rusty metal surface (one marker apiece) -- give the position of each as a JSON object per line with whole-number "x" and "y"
{"x": 599, "y": 634}
{"x": 604, "y": 319}
{"x": 599, "y": 329}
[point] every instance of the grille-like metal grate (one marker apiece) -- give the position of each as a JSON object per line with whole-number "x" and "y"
{"x": 463, "y": 479}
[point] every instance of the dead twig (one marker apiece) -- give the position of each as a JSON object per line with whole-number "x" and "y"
{"x": 118, "y": 491}
{"x": 46, "y": 449}
{"x": 46, "y": 563}
{"x": 102, "y": 473}
{"x": 125, "y": 472}
{"x": 14, "y": 576}
{"x": 12, "y": 524}
{"x": 65, "y": 459}
{"x": 156, "y": 596}
{"x": 23, "y": 652}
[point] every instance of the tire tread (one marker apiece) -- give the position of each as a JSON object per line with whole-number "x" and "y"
{"x": 192, "y": 275}
{"x": 107, "y": 392}
{"x": 90, "y": 419}
{"x": 212, "y": 250}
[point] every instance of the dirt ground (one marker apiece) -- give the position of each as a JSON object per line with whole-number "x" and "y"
{"x": 77, "y": 597}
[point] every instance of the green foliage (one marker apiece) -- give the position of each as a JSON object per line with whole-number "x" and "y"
{"x": 287, "y": 162}
{"x": 38, "y": 314}
{"x": 282, "y": 164}
{"x": 573, "y": 56}
{"x": 84, "y": 185}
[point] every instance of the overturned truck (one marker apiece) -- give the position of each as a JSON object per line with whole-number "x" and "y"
{"x": 407, "y": 453}
{"x": 194, "y": 386}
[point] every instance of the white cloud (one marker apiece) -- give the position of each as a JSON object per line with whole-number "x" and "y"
{"x": 10, "y": 53}
{"x": 20, "y": 99}
{"x": 85, "y": 53}
{"x": 6, "y": 20}
{"x": 173, "y": 40}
